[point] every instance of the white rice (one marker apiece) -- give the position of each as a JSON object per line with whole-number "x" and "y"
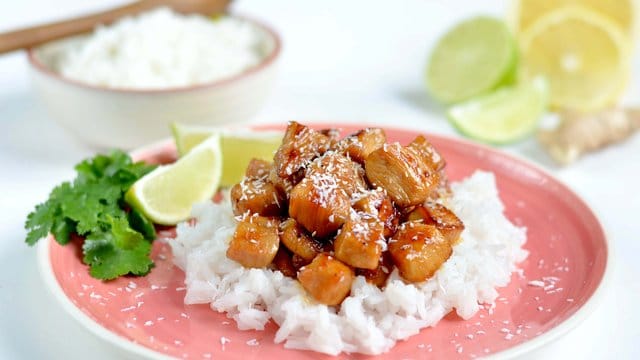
{"x": 161, "y": 49}
{"x": 370, "y": 320}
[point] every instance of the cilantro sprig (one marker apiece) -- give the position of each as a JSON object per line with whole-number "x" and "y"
{"x": 117, "y": 242}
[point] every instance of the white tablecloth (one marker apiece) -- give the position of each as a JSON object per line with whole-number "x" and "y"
{"x": 353, "y": 61}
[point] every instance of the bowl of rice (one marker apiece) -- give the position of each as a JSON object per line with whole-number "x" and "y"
{"x": 122, "y": 85}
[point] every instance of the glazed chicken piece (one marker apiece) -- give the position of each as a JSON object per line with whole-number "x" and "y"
{"x": 283, "y": 263}
{"x": 360, "y": 242}
{"x": 298, "y": 261}
{"x": 326, "y": 279}
{"x": 429, "y": 154}
{"x": 300, "y": 145}
{"x": 377, "y": 204}
{"x": 333, "y": 135}
{"x": 255, "y": 242}
{"x": 321, "y": 201}
{"x": 258, "y": 168}
{"x": 285, "y": 185}
{"x": 349, "y": 175}
{"x": 297, "y": 241}
{"x": 379, "y": 275}
{"x": 442, "y": 218}
{"x": 418, "y": 250}
{"x": 402, "y": 173}
{"x": 359, "y": 145}
{"x": 319, "y": 206}
{"x": 256, "y": 196}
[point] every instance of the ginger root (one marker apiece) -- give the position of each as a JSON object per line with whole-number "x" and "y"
{"x": 579, "y": 133}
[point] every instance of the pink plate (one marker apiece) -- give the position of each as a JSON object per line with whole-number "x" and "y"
{"x": 564, "y": 271}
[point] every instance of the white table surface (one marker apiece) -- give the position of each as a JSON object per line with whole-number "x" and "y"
{"x": 352, "y": 61}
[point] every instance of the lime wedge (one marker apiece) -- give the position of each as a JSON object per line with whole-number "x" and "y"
{"x": 238, "y": 146}
{"x": 167, "y": 194}
{"x": 506, "y": 115}
{"x": 187, "y": 137}
{"x": 476, "y": 56}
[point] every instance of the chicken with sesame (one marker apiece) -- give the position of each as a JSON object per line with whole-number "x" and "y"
{"x": 403, "y": 173}
{"x": 328, "y": 210}
{"x": 255, "y": 194}
{"x": 441, "y": 217}
{"x": 255, "y": 242}
{"x": 418, "y": 250}
{"x": 327, "y": 279}
{"x": 298, "y": 241}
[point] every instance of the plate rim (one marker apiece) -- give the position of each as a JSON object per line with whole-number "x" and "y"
{"x": 552, "y": 335}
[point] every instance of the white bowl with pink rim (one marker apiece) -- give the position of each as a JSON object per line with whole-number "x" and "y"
{"x": 126, "y": 118}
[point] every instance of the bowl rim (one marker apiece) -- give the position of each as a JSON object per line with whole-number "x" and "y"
{"x": 40, "y": 66}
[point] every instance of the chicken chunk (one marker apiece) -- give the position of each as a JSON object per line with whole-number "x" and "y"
{"x": 360, "y": 242}
{"x": 429, "y": 154}
{"x": 326, "y": 279}
{"x": 432, "y": 157}
{"x": 380, "y": 274}
{"x": 321, "y": 201}
{"x": 377, "y": 204}
{"x": 256, "y": 196}
{"x": 348, "y": 175}
{"x": 319, "y": 206}
{"x": 300, "y": 145}
{"x": 418, "y": 250}
{"x": 298, "y": 261}
{"x": 285, "y": 185}
{"x": 443, "y": 189}
{"x": 258, "y": 168}
{"x": 255, "y": 193}
{"x": 282, "y": 262}
{"x": 255, "y": 242}
{"x": 297, "y": 241}
{"x": 359, "y": 145}
{"x": 333, "y": 135}
{"x": 442, "y": 218}
{"x": 402, "y": 173}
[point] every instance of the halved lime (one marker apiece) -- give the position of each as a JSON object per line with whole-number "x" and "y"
{"x": 238, "y": 146}
{"x": 167, "y": 194}
{"x": 506, "y": 115}
{"x": 476, "y": 56}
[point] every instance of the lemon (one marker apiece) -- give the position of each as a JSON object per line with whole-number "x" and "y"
{"x": 238, "y": 146}
{"x": 506, "y": 115}
{"x": 526, "y": 12}
{"x": 167, "y": 194}
{"x": 476, "y": 56}
{"x": 583, "y": 55}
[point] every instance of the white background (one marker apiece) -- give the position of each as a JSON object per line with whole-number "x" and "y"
{"x": 356, "y": 61}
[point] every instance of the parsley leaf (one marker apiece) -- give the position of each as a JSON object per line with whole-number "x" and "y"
{"x": 117, "y": 242}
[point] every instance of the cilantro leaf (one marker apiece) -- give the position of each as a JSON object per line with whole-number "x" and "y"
{"x": 62, "y": 230}
{"x": 141, "y": 224}
{"x": 117, "y": 169}
{"x": 118, "y": 252}
{"x": 42, "y": 219}
{"x": 92, "y": 202}
{"x": 117, "y": 242}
